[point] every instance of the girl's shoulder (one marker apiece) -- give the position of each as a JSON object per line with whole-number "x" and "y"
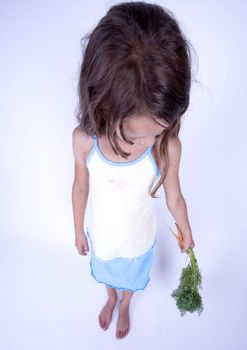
{"x": 174, "y": 148}
{"x": 82, "y": 142}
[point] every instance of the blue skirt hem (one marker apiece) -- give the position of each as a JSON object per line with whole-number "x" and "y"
{"x": 116, "y": 287}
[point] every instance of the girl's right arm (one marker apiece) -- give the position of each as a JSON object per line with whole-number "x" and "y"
{"x": 80, "y": 188}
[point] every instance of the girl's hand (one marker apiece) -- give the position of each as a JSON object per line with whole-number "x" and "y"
{"x": 81, "y": 243}
{"x": 187, "y": 243}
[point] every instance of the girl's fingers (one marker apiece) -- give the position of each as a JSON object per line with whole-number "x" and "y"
{"x": 84, "y": 250}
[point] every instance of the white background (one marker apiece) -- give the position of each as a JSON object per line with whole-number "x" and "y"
{"x": 48, "y": 298}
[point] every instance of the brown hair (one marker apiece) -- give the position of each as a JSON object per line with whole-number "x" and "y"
{"x": 136, "y": 61}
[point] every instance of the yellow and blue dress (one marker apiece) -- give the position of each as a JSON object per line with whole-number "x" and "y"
{"x": 120, "y": 219}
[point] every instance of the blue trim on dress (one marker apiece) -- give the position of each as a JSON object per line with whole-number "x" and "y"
{"x": 91, "y": 152}
{"x": 96, "y": 148}
{"x": 115, "y": 287}
{"x": 148, "y": 150}
{"x": 131, "y": 273}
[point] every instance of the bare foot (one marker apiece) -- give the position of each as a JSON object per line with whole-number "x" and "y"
{"x": 105, "y": 315}
{"x": 123, "y": 323}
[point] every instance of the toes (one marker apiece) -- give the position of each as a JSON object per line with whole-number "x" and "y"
{"x": 126, "y": 332}
{"x": 122, "y": 334}
{"x": 101, "y": 322}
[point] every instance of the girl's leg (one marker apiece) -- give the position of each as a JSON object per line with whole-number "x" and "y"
{"x": 112, "y": 293}
{"x": 105, "y": 315}
{"x": 123, "y": 324}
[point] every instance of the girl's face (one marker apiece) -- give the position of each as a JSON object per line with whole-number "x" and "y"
{"x": 141, "y": 130}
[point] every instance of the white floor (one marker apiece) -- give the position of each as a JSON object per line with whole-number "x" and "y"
{"x": 50, "y": 301}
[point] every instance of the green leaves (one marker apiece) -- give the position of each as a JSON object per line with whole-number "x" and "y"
{"x": 187, "y": 295}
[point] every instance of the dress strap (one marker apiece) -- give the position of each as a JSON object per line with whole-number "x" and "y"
{"x": 93, "y": 149}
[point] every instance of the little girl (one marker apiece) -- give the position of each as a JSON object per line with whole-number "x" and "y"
{"x": 134, "y": 87}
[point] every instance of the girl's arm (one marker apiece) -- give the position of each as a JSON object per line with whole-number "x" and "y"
{"x": 174, "y": 199}
{"x": 80, "y": 188}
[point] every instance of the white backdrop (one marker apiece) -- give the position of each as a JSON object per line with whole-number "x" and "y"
{"x": 48, "y": 298}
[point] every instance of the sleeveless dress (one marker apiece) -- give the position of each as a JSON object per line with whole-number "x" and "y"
{"x": 120, "y": 219}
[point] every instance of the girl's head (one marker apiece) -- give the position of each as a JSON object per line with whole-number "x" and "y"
{"x": 136, "y": 62}
{"x": 141, "y": 130}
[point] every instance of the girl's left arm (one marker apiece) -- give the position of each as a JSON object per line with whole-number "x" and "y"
{"x": 174, "y": 199}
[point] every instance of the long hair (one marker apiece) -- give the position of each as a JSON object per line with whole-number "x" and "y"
{"x": 136, "y": 61}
